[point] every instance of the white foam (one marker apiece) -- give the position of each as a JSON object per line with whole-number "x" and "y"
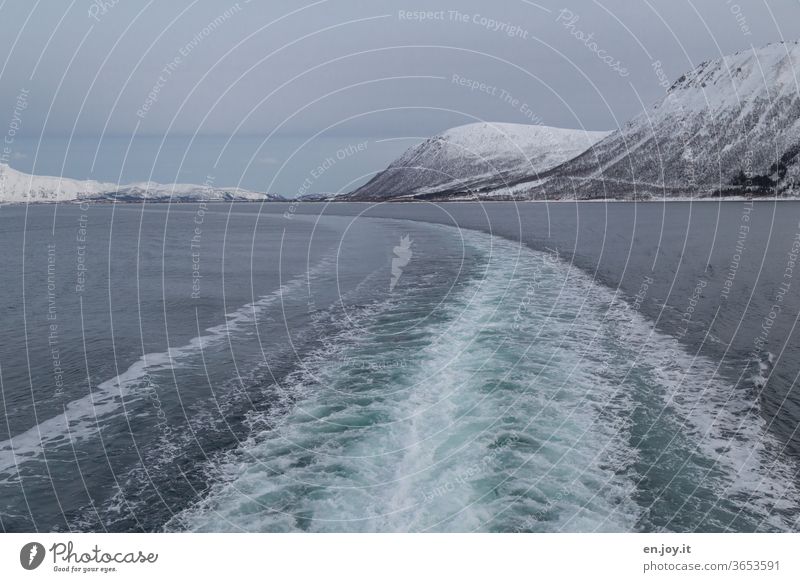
{"x": 82, "y": 417}
{"x": 437, "y": 448}
{"x": 514, "y": 415}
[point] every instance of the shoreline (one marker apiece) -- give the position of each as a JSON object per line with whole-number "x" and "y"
{"x": 401, "y": 201}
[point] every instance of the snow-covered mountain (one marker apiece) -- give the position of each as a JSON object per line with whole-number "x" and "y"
{"x": 16, "y": 186}
{"x": 479, "y": 157}
{"x": 729, "y": 127}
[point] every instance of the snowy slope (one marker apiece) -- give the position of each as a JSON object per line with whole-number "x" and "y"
{"x": 17, "y": 186}
{"x": 731, "y": 126}
{"x": 476, "y": 157}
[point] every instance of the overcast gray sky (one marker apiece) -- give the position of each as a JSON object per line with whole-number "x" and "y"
{"x": 353, "y": 69}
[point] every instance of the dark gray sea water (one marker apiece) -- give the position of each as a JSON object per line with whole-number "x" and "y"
{"x": 400, "y": 367}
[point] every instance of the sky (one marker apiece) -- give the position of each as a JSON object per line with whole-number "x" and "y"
{"x": 264, "y": 94}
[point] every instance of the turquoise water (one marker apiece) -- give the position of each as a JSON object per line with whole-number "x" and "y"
{"x": 532, "y": 400}
{"x": 343, "y": 373}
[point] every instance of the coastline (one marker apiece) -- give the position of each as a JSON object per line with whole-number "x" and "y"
{"x": 396, "y": 201}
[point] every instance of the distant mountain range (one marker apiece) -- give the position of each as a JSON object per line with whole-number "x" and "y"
{"x": 729, "y": 127}
{"x": 16, "y": 186}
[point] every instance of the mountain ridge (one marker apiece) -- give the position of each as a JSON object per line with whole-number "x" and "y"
{"x": 728, "y": 127}
{"x": 19, "y": 187}
{"x": 475, "y": 157}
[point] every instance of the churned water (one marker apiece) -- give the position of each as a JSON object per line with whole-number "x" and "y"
{"x": 399, "y": 368}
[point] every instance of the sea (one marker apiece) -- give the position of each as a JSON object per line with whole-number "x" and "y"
{"x": 408, "y": 367}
